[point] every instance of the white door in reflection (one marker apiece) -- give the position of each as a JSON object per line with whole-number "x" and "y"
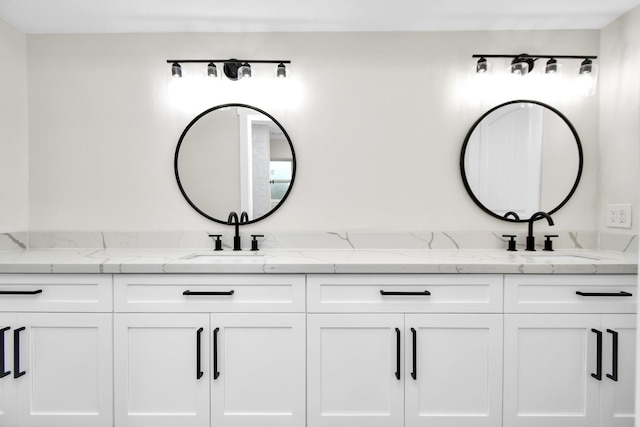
{"x": 508, "y": 159}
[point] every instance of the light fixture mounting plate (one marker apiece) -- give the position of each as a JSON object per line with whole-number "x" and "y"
{"x": 230, "y": 69}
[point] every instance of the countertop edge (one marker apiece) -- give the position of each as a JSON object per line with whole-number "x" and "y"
{"x": 309, "y": 261}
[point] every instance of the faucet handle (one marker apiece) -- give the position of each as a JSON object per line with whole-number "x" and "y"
{"x": 254, "y": 242}
{"x": 218, "y": 242}
{"x": 512, "y": 242}
{"x": 548, "y": 244}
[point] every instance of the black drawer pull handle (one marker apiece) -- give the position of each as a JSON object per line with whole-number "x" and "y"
{"x": 598, "y": 374}
{"x": 199, "y": 372}
{"x": 395, "y": 293}
{"x": 196, "y": 293}
{"x": 614, "y": 356}
{"x": 398, "y": 354}
{"x": 216, "y": 374}
{"x": 604, "y": 294}
{"x": 3, "y": 373}
{"x": 414, "y": 374}
{"x": 16, "y": 353}
{"x": 36, "y": 292}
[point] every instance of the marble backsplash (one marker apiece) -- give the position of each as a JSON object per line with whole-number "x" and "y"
{"x": 17, "y": 240}
{"x": 328, "y": 240}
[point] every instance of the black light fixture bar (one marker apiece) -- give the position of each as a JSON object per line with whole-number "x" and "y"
{"x": 233, "y": 69}
{"x": 250, "y": 61}
{"x": 524, "y": 55}
{"x": 523, "y": 63}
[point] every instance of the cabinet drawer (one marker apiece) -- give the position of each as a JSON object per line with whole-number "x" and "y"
{"x": 56, "y": 292}
{"x": 209, "y": 293}
{"x": 559, "y": 293}
{"x": 398, "y": 293}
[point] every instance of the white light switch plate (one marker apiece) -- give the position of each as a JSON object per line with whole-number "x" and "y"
{"x": 619, "y": 216}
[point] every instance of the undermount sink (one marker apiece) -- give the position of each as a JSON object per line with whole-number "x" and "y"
{"x": 558, "y": 256}
{"x": 223, "y": 254}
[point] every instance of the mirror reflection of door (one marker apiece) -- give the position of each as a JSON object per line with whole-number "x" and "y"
{"x": 264, "y": 156}
{"x": 507, "y": 165}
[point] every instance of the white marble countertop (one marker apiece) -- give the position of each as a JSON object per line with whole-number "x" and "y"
{"x": 575, "y": 261}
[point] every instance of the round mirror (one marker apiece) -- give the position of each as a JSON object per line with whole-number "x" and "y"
{"x": 235, "y": 157}
{"x": 522, "y": 157}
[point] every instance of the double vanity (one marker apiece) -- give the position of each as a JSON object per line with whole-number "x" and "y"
{"x": 328, "y": 337}
{"x": 117, "y": 337}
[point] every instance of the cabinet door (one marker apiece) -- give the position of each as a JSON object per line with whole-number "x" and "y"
{"x": 453, "y": 370}
{"x": 354, "y": 370}
{"x": 548, "y": 362}
{"x": 8, "y": 398}
{"x": 157, "y": 380}
{"x": 67, "y": 363}
{"x": 617, "y": 390}
{"x": 258, "y": 373}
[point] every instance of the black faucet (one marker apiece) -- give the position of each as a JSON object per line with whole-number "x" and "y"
{"x": 233, "y": 220}
{"x": 531, "y": 241}
{"x": 513, "y": 214}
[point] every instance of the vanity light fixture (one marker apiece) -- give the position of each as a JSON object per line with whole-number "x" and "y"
{"x": 244, "y": 72}
{"x": 176, "y": 70}
{"x": 281, "y": 71}
{"x": 482, "y": 66}
{"x": 233, "y": 69}
{"x": 212, "y": 70}
{"x": 586, "y": 67}
{"x": 522, "y": 64}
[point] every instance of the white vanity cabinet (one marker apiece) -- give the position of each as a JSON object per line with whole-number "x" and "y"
{"x": 317, "y": 350}
{"x": 569, "y": 350}
{"x": 156, "y": 380}
{"x": 210, "y": 350}
{"x": 355, "y": 370}
{"x": 404, "y": 350}
{"x": 56, "y": 351}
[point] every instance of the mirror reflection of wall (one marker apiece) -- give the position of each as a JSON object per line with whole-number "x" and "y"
{"x": 522, "y": 156}
{"x": 210, "y": 154}
{"x": 234, "y": 158}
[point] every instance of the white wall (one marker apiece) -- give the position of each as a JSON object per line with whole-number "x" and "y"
{"x": 620, "y": 125}
{"x": 620, "y": 117}
{"x": 377, "y": 121}
{"x": 14, "y": 178}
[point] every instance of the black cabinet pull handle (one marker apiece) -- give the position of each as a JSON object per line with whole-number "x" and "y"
{"x": 36, "y": 292}
{"x": 398, "y": 354}
{"x": 423, "y": 293}
{"x": 3, "y": 373}
{"x": 196, "y": 293}
{"x": 614, "y": 356}
{"x": 16, "y": 353}
{"x": 598, "y": 374}
{"x": 604, "y": 294}
{"x": 414, "y": 374}
{"x": 216, "y": 374}
{"x": 199, "y": 372}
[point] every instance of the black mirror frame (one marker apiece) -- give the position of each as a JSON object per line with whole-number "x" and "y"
{"x": 475, "y": 125}
{"x": 204, "y": 113}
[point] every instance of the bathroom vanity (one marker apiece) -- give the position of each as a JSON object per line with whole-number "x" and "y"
{"x": 317, "y": 338}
